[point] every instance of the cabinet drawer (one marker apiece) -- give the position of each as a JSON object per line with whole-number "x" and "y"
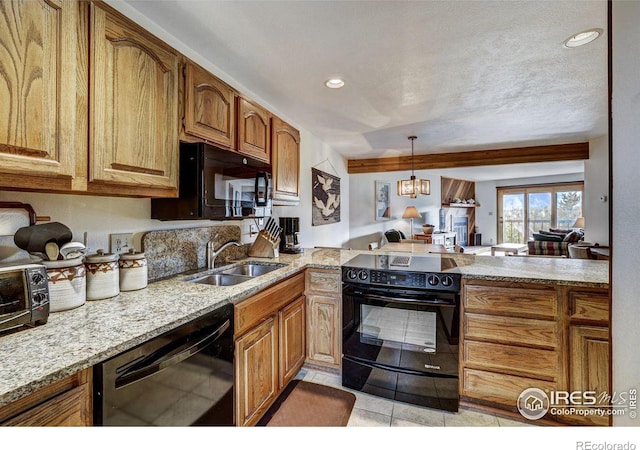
{"x": 511, "y": 330}
{"x": 532, "y": 362}
{"x": 321, "y": 281}
{"x": 499, "y": 388}
{"x": 511, "y": 300}
{"x": 67, "y": 409}
{"x": 589, "y": 306}
{"x": 67, "y": 402}
{"x": 253, "y": 310}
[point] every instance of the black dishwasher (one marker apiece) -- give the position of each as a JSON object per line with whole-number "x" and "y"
{"x": 181, "y": 378}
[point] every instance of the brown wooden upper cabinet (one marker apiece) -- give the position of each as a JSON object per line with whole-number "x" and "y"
{"x": 133, "y": 145}
{"x": 285, "y": 156}
{"x": 253, "y": 130}
{"x": 209, "y": 107}
{"x": 43, "y": 73}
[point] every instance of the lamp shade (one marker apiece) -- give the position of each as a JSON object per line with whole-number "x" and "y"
{"x": 411, "y": 213}
{"x": 579, "y": 223}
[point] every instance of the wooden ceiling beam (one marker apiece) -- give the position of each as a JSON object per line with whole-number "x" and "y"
{"x": 544, "y": 153}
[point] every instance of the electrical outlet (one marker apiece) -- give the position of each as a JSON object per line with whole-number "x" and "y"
{"x": 120, "y": 243}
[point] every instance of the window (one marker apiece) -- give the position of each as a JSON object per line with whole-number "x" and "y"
{"x": 525, "y": 210}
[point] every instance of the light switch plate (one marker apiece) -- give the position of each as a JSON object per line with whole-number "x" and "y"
{"x": 120, "y": 243}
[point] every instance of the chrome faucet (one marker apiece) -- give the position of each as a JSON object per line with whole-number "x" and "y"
{"x": 212, "y": 254}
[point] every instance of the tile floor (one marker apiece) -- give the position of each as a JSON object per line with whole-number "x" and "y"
{"x": 371, "y": 411}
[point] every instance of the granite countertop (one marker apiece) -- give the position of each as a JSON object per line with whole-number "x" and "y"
{"x": 79, "y": 338}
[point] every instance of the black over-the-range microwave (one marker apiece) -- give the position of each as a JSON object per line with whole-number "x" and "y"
{"x": 217, "y": 184}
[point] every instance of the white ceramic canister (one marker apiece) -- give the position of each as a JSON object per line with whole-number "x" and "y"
{"x": 67, "y": 284}
{"x": 103, "y": 277}
{"x": 133, "y": 271}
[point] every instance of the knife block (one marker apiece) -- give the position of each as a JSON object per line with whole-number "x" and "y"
{"x": 263, "y": 247}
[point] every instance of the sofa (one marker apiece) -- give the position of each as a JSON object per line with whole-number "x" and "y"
{"x": 554, "y": 242}
{"x": 548, "y": 248}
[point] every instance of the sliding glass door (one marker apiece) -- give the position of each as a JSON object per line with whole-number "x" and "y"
{"x": 511, "y": 217}
{"x": 525, "y": 210}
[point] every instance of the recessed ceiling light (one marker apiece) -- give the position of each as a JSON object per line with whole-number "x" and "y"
{"x": 582, "y": 38}
{"x": 334, "y": 83}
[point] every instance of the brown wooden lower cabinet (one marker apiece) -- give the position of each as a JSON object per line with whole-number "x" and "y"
{"x": 256, "y": 372}
{"x": 589, "y": 348}
{"x": 270, "y": 348}
{"x": 292, "y": 340}
{"x": 525, "y": 335}
{"x": 67, "y": 402}
{"x": 324, "y": 303}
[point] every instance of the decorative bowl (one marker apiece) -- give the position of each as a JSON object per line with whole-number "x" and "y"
{"x": 427, "y": 229}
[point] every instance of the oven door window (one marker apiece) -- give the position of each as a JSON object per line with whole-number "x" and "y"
{"x": 394, "y": 327}
{"x": 402, "y": 335}
{"x": 13, "y": 294}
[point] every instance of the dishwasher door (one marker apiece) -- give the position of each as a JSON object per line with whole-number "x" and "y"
{"x": 181, "y": 378}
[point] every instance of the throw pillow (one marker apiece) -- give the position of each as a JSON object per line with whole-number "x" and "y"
{"x": 558, "y": 230}
{"x": 574, "y": 236}
{"x": 546, "y": 237}
{"x": 553, "y": 233}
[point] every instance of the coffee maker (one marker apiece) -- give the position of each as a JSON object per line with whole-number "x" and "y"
{"x": 289, "y": 240}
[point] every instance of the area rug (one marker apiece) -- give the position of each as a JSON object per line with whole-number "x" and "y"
{"x": 304, "y": 404}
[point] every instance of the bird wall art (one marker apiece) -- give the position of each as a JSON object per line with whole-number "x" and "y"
{"x": 325, "y": 208}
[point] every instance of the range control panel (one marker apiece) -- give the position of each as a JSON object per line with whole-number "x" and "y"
{"x": 432, "y": 281}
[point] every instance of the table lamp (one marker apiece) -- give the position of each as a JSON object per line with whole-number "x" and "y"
{"x": 411, "y": 213}
{"x": 579, "y": 223}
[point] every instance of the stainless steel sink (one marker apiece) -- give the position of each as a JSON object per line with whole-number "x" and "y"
{"x": 234, "y": 275}
{"x": 220, "y": 279}
{"x": 252, "y": 270}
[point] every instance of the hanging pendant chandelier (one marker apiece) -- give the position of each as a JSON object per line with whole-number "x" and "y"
{"x": 414, "y": 186}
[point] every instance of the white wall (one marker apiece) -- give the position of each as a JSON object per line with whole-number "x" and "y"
{"x": 596, "y": 185}
{"x": 625, "y": 282}
{"x": 315, "y": 153}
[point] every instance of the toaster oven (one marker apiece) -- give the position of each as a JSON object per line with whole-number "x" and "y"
{"x": 24, "y": 296}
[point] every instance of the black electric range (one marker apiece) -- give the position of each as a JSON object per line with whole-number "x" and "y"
{"x": 400, "y": 328}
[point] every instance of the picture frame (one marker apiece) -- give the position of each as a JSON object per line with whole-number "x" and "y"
{"x": 382, "y": 200}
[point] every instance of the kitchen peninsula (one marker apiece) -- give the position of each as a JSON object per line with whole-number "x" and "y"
{"x": 80, "y": 338}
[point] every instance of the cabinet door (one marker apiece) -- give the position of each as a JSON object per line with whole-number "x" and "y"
{"x": 589, "y": 365}
{"x": 134, "y": 109}
{"x": 256, "y": 372}
{"x": 43, "y": 65}
{"x": 285, "y": 158}
{"x": 209, "y": 107}
{"x": 292, "y": 340}
{"x": 323, "y": 326}
{"x": 253, "y": 130}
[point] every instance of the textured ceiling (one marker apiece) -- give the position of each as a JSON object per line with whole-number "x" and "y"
{"x": 460, "y": 75}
